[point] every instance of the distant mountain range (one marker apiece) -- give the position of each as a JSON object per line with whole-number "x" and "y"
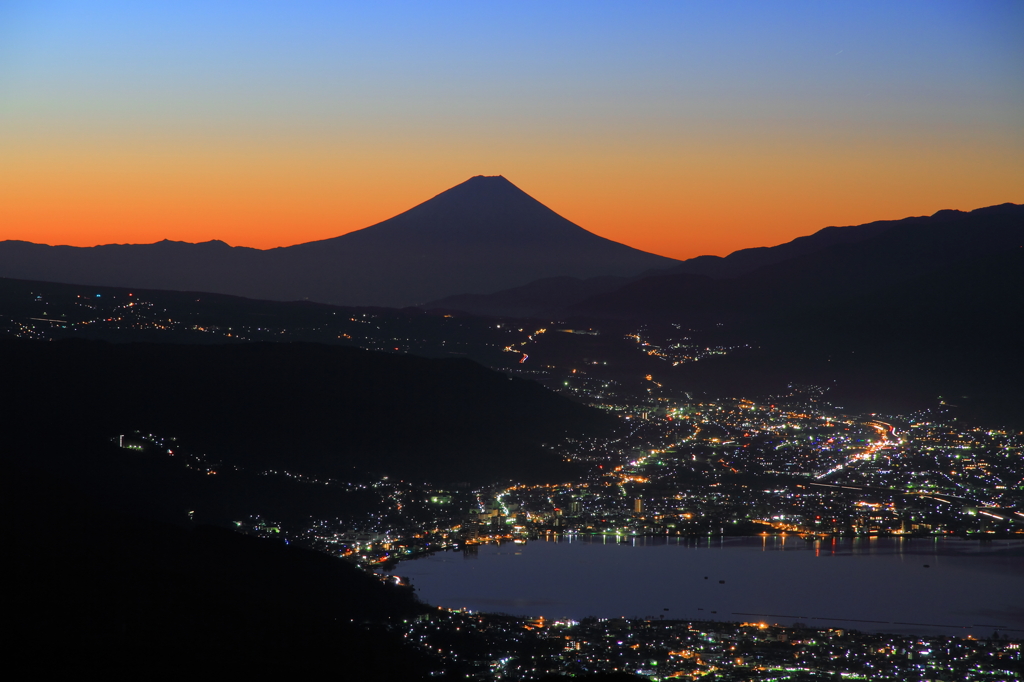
{"x": 486, "y": 247}
{"x": 481, "y": 236}
{"x": 752, "y": 284}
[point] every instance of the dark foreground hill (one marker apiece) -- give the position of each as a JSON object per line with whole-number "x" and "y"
{"x": 308, "y": 408}
{"x": 128, "y": 598}
{"x": 481, "y": 236}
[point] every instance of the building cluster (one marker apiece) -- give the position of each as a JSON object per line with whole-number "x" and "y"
{"x": 793, "y": 466}
{"x": 481, "y": 646}
{"x": 677, "y": 467}
{"x": 60, "y": 311}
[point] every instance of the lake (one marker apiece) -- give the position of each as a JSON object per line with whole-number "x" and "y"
{"x": 922, "y": 586}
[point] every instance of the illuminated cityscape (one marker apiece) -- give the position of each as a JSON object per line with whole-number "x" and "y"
{"x": 677, "y": 467}
{"x": 504, "y": 342}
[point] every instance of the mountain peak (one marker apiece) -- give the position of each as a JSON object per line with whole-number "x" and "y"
{"x": 479, "y": 208}
{"x": 481, "y": 236}
{"x": 488, "y": 188}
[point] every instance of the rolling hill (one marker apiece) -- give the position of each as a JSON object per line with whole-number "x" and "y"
{"x": 326, "y": 411}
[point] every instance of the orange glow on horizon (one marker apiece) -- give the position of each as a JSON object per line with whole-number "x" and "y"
{"x": 677, "y": 128}
{"x": 267, "y": 197}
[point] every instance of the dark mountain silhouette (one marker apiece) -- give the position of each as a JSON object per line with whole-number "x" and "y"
{"x": 907, "y": 249}
{"x": 925, "y": 307}
{"x": 794, "y": 270}
{"x": 546, "y": 297}
{"x": 315, "y": 409}
{"x": 478, "y": 237}
{"x": 747, "y": 260}
{"x": 104, "y": 590}
{"x": 953, "y": 334}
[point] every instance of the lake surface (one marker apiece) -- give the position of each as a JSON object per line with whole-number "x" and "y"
{"x": 923, "y": 586}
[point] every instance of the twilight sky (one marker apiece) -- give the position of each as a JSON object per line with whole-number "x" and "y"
{"x": 681, "y": 128}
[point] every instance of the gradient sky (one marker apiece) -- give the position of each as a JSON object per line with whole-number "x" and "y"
{"x": 681, "y": 128}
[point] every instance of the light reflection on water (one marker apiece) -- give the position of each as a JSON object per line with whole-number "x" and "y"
{"x": 920, "y": 585}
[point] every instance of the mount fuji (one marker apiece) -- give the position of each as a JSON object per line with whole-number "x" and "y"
{"x": 481, "y": 236}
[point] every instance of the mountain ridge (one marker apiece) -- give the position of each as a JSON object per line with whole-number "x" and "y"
{"x": 745, "y": 260}
{"x": 907, "y": 250}
{"x": 699, "y": 284}
{"x": 308, "y": 407}
{"x": 482, "y": 235}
